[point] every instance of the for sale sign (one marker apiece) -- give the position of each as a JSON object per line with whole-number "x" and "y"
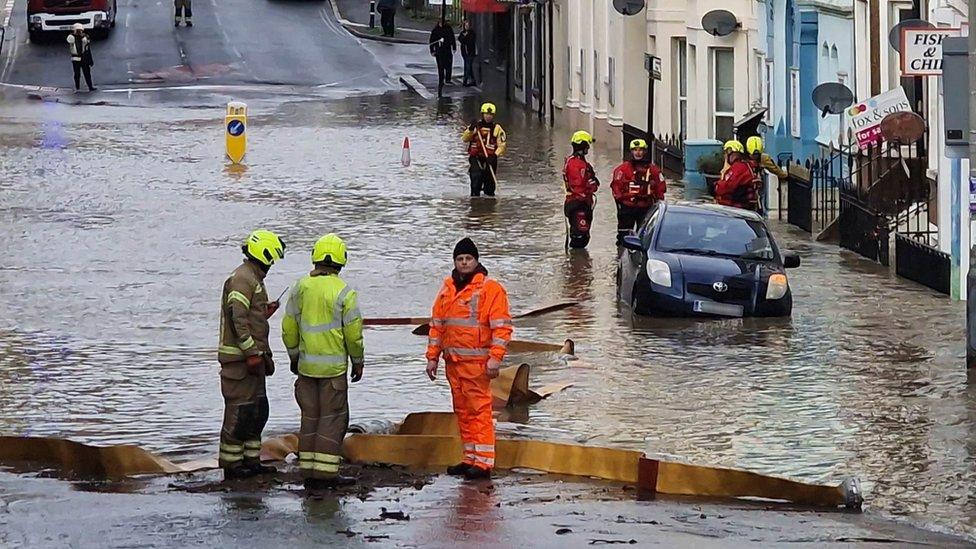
{"x": 865, "y": 118}
{"x": 921, "y": 50}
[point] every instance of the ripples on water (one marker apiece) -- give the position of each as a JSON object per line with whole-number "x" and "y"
{"x": 117, "y": 245}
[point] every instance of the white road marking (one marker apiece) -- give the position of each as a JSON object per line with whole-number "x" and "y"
{"x": 411, "y": 81}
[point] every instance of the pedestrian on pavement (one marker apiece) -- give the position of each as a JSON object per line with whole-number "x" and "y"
{"x": 323, "y": 331}
{"x": 184, "y": 9}
{"x": 637, "y": 186}
{"x": 245, "y": 356}
{"x": 737, "y": 187}
{"x": 486, "y": 142}
{"x": 469, "y": 52}
{"x": 470, "y": 327}
{"x": 442, "y": 47}
{"x": 79, "y": 46}
{"x": 581, "y": 184}
{"x": 387, "y": 9}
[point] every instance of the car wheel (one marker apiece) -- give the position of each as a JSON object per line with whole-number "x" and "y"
{"x": 36, "y": 37}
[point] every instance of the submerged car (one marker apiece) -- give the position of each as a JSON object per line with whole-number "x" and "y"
{"x": 704, "y": 260}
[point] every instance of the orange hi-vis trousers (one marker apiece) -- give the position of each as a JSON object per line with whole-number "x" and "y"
{"x": 471, "y": 393}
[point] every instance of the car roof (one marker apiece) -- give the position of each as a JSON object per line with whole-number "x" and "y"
{"x": 712, "y": 209}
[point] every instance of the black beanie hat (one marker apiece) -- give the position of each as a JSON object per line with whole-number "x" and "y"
{"x": 465, "y": 246}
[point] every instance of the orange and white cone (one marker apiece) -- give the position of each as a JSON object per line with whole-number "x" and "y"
{"x": 405, "y": 156}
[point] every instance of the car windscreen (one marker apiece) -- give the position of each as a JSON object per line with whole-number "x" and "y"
{"x": 705, "y": 234}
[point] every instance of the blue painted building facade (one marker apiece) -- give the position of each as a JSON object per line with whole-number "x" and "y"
{"x": 807, "y": 43}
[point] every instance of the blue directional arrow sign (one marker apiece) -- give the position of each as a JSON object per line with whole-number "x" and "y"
{"x": 235, "y": 128}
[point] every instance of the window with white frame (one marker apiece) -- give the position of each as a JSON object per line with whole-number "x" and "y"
{"x": 760, "y": 81}
{"x": 681, "y": 63}
{"x": 795, "y": 102}
{"x": 723, "y": 99}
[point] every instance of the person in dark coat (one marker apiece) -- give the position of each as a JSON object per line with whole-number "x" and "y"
{"x": 442, "y": 47}
{"x": 387, "y": 9}
{"x": 469, "y": 52}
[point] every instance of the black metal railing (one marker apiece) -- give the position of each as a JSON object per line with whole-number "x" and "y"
{"x": 798, "y": 201}
{"x": 863, "y": 230}
{"x": 922, "y": 263}
{"x": 669, "y": 153}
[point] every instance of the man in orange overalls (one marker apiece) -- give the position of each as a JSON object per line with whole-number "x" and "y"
{"x": 470, "y": 326}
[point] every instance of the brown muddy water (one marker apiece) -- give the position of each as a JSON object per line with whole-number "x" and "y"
{"x": 120, "y": 226}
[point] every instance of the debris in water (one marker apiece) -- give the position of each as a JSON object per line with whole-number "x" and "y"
{"x": 392, "y": 515}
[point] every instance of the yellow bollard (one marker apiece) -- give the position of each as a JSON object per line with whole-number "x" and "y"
{"x": 235, "y": 125}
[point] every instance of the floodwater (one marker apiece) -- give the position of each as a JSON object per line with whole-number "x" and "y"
{"x": 120, "y": 226}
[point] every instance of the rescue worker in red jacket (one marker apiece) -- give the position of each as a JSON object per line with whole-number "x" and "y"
{"x": 579, "y": 179}
{"x": 470, "y": 327}
{"x": 737, "y": 188}
{"x": 486, "y": 142}
{"x": 637, "y": 186}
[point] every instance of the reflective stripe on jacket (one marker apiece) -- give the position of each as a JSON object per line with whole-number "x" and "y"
{"x": 471, "y": 325}
{"x": 492, "y": 137}
{"x": 323, "y": 326}
{"x": 243, "y": 326}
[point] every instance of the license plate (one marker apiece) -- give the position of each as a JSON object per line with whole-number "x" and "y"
{"x": 715, "y": 308}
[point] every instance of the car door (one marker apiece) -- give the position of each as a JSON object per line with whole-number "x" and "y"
{"x": 631, "y": 262}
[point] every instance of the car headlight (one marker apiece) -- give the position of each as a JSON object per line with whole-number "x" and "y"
{"x": 777, "y": 286}
{"x": 659, "y": 272}
{"x": 36, "y": 19}
{"x": 98, "y": 17}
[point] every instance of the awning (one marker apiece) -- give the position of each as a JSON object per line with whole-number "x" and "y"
{"x": 748, "y": 125}
{"x": 483, "y": 6}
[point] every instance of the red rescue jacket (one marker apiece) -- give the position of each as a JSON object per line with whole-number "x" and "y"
{"x": 579, "y": 180}
{"x": 737, "y": 188}
{"x": 638, "y": 184}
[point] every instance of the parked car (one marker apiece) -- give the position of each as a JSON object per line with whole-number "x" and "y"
{"x": 48, "y": 16}
{"x": 704, "y": 260}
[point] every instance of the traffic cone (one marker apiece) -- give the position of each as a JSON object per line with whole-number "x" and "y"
{"x": 405, "y": 156}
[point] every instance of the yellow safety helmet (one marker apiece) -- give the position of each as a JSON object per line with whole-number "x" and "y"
{"x": 581, "y": 137}
{"x": 264, "y": 247}
{"x": 638, "y": 144}
{"x": 733, "y": 145}
{"x": 488, "y": 108}
{"x": 331, "y": 249}
{"x": 754, "y": 144}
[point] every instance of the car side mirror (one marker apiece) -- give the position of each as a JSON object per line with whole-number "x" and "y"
{"x": 632, "y": 242}
{"x": 791, "y": 260}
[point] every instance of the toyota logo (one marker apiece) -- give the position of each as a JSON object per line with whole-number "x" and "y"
{"x": 720, "y": 287}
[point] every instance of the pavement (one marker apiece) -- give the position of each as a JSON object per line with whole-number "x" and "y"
{"x": 354, "y": 15}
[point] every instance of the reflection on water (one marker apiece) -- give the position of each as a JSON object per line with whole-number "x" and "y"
{"x": 119, "y": 235}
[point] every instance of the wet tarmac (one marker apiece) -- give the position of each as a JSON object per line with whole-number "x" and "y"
{"x": 122, "y": 222}
{"x": 396, "y": 508}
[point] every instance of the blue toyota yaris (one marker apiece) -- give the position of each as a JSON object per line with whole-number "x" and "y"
{"x": 704, "y": 260}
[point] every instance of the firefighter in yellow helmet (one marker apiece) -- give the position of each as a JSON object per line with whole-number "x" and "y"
{"x": 762, "y": 164}
{"x": 323, "y": 332}
{"x": 486, "y": 142}
{"x": 245, "y": 356}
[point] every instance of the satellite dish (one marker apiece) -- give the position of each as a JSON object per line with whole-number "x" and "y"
{"x": 720, "y": 23}
{"x": 903, "y": 128}
{"x": 894, "y": 35}
{"x": 628, "y": 7}
{"x": 832, "y": 98}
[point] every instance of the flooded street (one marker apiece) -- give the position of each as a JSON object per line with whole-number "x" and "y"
{"x": 121, "y": 224}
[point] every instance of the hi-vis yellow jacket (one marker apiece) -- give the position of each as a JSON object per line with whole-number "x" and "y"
{"x": 323, "y": 326}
